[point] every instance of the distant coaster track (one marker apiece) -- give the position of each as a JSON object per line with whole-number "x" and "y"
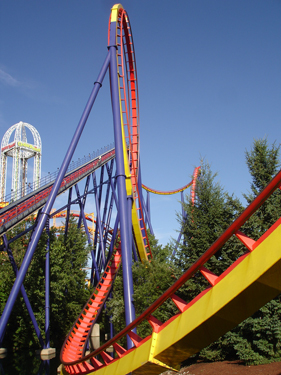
{"x": 14, "y": 213}
{"x": 171, "y": 192}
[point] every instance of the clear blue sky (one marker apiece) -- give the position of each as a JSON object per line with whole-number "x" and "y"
{"x": 209, "y": 83}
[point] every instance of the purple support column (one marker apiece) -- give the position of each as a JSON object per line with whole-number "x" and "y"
{"x": 148, "y": 205}
{"x": 82, "y": 201}
{"x": 46, "y": 210}
{"x": 47, "y": 288}
{"x": 23, "y": 292}
{"x": 82, "y": 214}
{"x": 98, "y": 223}
{"x": 126, "y": 246}
{"x": 147, "y": 216}
{"x": 183, "y": 219}
{"x": 109, "y": 214}
{"x": 111, "y": 247}
{"x": 68, "y": 212}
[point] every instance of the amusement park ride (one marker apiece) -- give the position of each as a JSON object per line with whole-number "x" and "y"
{"x": 250, "y": 282}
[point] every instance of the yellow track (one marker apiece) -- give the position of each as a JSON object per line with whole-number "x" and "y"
{"x": 253, "y": 280}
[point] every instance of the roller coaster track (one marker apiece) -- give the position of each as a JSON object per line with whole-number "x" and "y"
{"x": 74, "y": 346}
{"x": 250, "y": 282}
{"x": 176, "y": 191}
{"x": 14, "y": 213}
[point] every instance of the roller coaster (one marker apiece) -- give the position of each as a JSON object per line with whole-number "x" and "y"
{"x": 251, "y": 281}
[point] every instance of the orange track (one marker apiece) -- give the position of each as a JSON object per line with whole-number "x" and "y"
{"x": 73, "y": 347}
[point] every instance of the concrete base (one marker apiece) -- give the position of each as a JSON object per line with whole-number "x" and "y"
{"x": 110, "y": 349}
{"x": 95, "y": 337}
{"x": 3, "y": 352}
{"x": 48, "y": 353}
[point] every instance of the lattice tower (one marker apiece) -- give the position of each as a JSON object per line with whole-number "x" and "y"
{"x": 20, "y": 150}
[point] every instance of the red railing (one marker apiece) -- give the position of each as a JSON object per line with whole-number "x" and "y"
{"x": 36, "y": 198}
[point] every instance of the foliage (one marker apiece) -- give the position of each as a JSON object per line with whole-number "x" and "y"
{"x": 260, "y": 335}
{"x": 68, "y": 257}
{"x": 207, "y": 218}
{"x": 257, "y": 340}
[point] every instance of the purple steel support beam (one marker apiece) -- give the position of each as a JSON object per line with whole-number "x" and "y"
{"x": 94, "y": 267}
{"x": 148, "y": 205}
{"x": 130, "y": 201}
{"x": 68, "y": 212}
{"x": 111, "y": 327}
{"x": 147, "y": 216}
{"x": 113, "y": 188}
{"x": 135, "y": 252}
{"x": 141, "y": 215}
{"x": 83, "y": 201}
{"x": 47, "y": 287}
{"x": 101, "y": 254}
{"x": 126, "y": 246}
{"x": 184, "y": 215}
{"x": 101, "y": 184}
{"x": 101, "y": 246}
{"x": 47, "y": 209}
{"x": 113, "y": 238}
{"x": 11, "y": 240}
{"x": 82, "y": 214}
{"x": 109, "y": 214}
{"x": 105, "y": 224}
{"x": 23, "y": 292}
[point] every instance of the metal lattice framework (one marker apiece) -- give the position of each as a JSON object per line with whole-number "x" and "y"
{"x": 20, "y": 150}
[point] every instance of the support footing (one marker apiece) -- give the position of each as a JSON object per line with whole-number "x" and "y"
{"x": 3, "y": 352}
{"x": 48, "y": 353}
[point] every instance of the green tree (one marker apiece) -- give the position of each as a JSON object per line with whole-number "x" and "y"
{"x": 207, "y": 218}
{"x": 258, "y": 339}
{"x": 68, "y": 293}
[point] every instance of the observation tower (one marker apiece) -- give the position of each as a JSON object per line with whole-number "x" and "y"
{"x": 20, "y": 150}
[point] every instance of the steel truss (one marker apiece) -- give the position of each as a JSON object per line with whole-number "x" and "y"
{"x": 112, "y": 181}
{"x": 113, "y": 215}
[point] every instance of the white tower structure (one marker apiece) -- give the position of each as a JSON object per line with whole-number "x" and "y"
{"x": 20, "y": 150}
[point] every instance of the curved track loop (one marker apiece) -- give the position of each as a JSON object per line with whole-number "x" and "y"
{"x": 244, "y": 287}
{"x": 129, "y": 109}
{"x": 74, "y": 345}
{"x": 170, "y": 192}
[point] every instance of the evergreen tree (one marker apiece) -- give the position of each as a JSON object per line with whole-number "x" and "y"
{"x": 207, "y": 218}
{"x": 68, "y": 293}
{"x": 257, "y": 340}
{"x": 259, "y": 337}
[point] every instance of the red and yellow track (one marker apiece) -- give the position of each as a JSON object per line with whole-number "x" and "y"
{"x": 245, "y": 286}
{"x": 250, "y": 282}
